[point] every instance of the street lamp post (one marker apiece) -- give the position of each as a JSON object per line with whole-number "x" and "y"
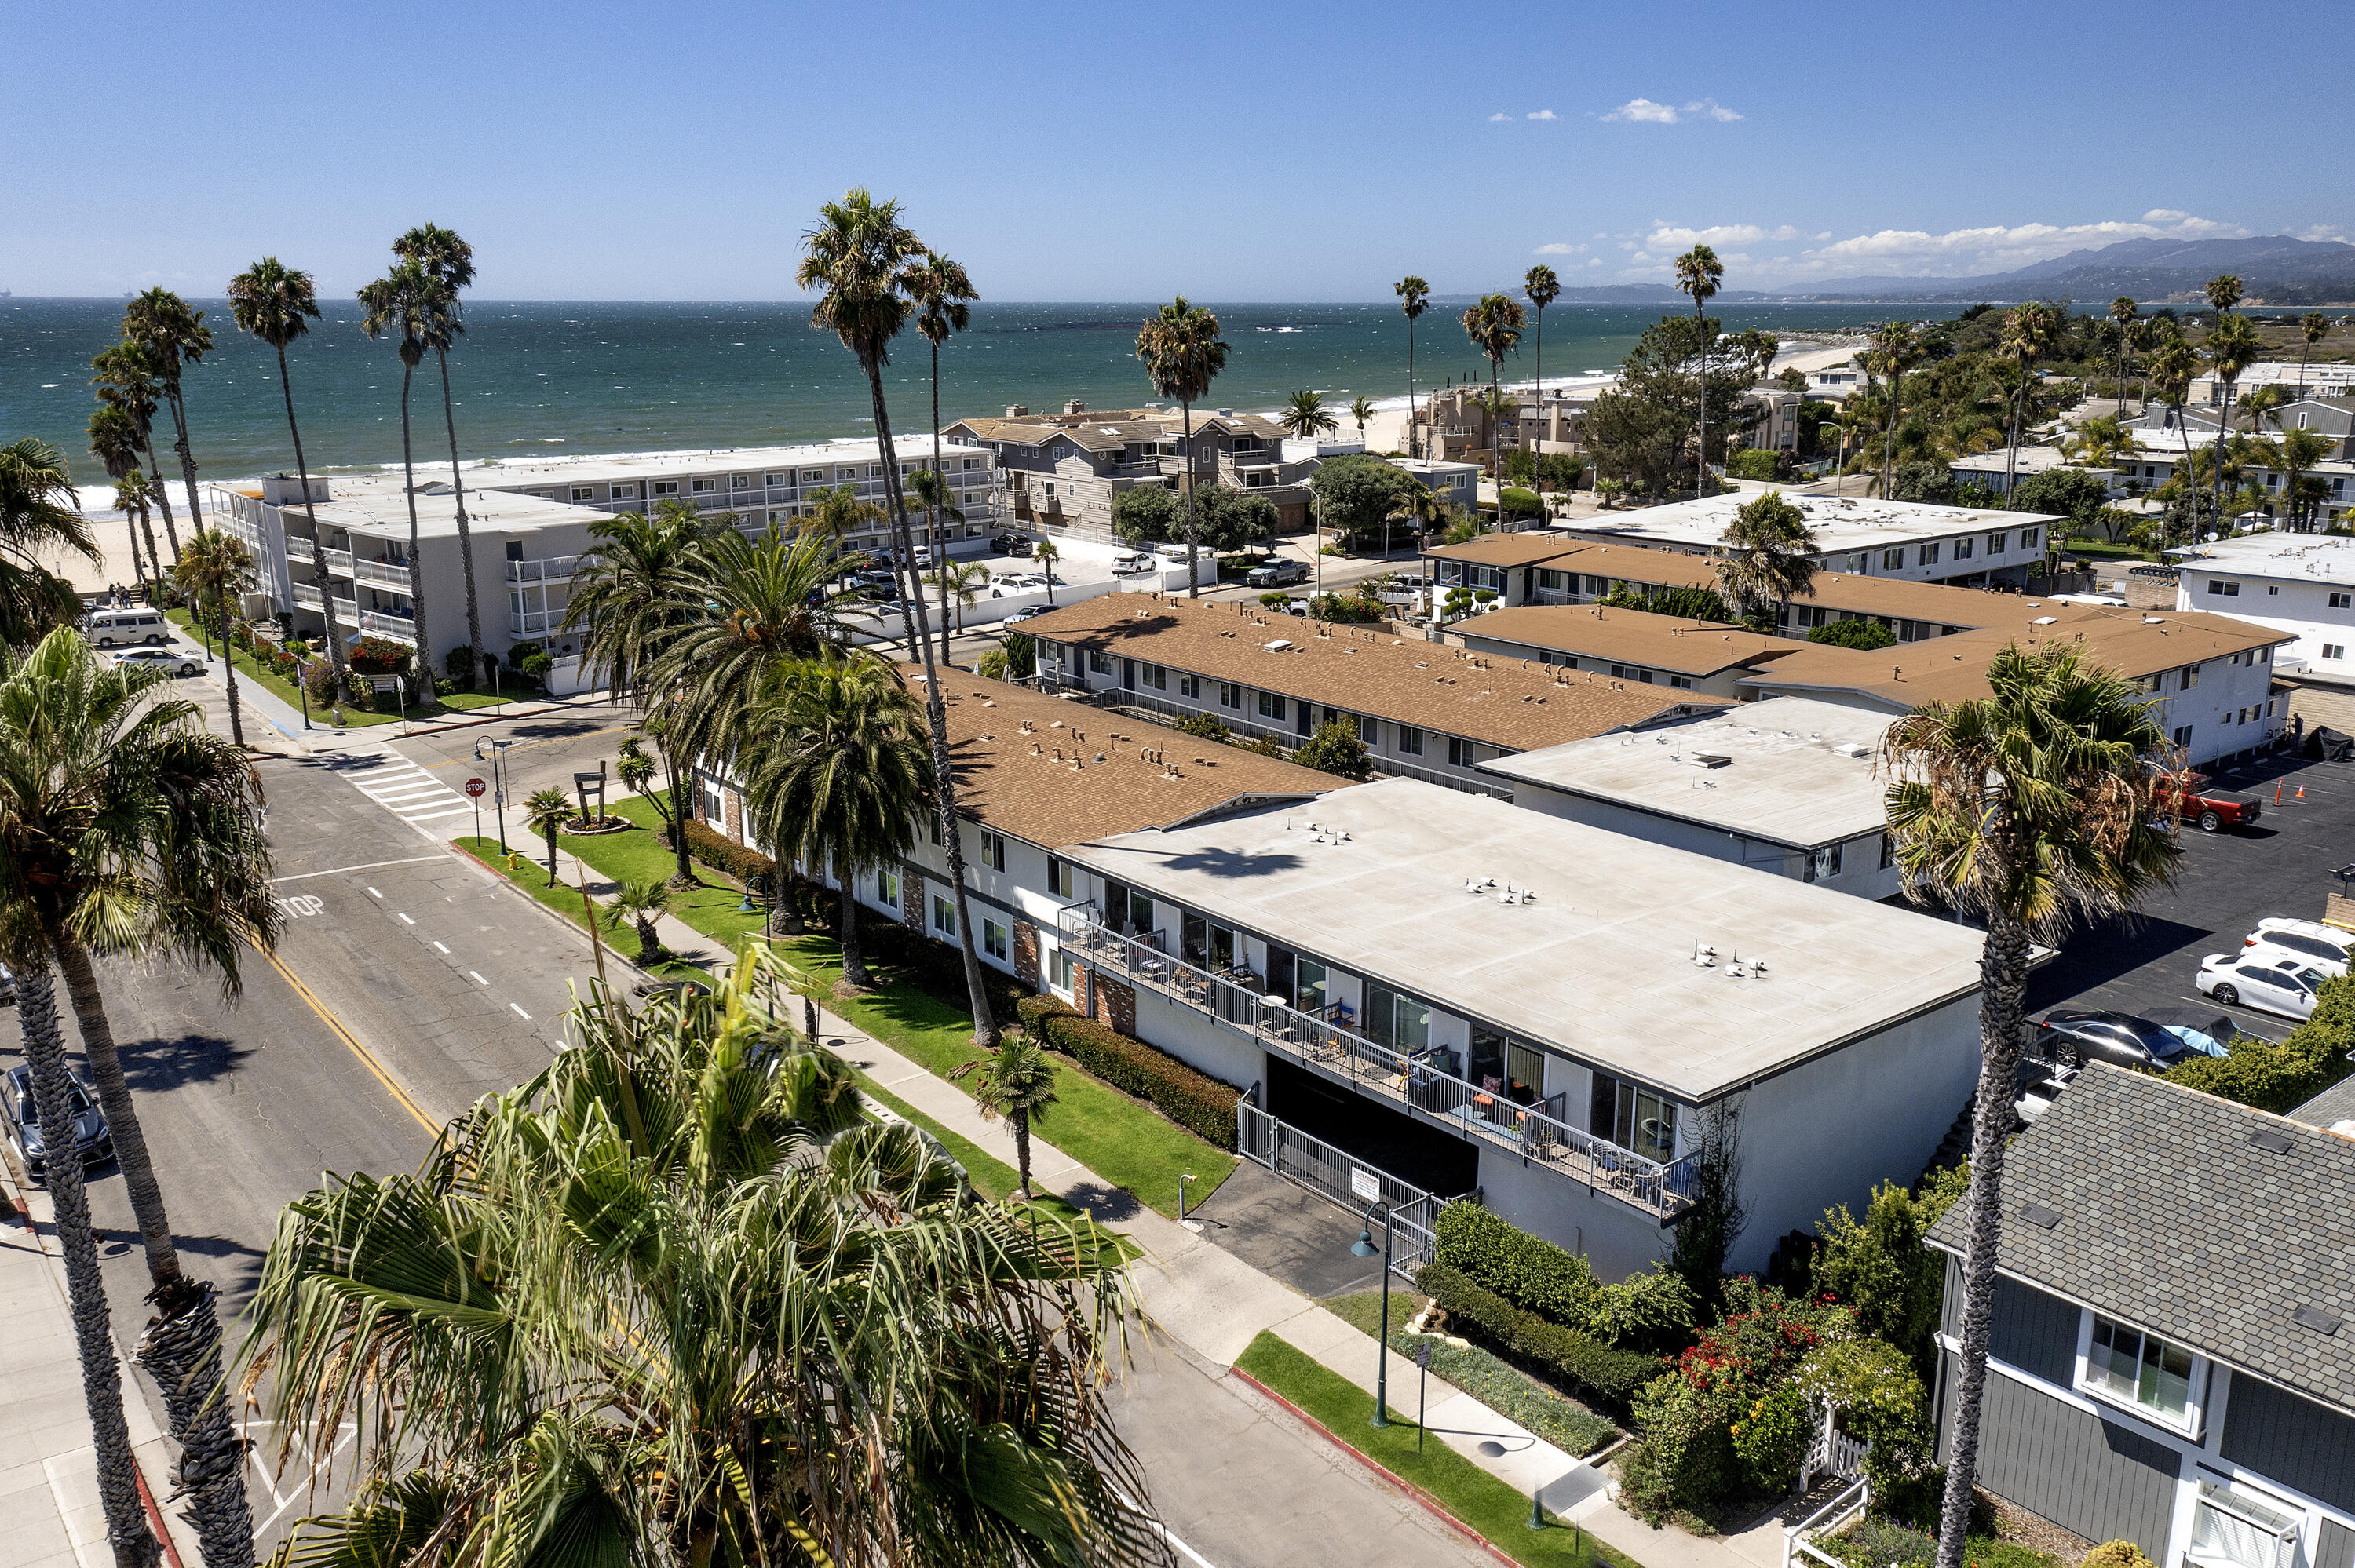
{"x": 497, "y": 757}
{"x": 1364, "y": 1247}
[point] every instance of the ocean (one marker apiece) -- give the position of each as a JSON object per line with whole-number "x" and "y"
{"x": 541, "y": 377}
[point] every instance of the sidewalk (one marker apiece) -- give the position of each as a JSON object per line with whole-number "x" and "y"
{"x": 48, "y": 1471}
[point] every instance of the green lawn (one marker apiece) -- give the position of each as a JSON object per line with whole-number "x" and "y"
{"x": 1499, "y": 1513}
{"x": 283, "y": 689}
{"x": 992, "y": 1177}
{"x": 2103, "y": 549}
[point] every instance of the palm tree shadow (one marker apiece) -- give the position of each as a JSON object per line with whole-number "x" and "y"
{"x": 1103, "y": 1203}
{"x": 154, "y": 1066}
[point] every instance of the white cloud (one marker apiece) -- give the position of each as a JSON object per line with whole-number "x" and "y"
{"x": 1668, "y": 237}
{"x": 2164, "y": 214}
{"x": 1594, "y": 261}
{"x": 1540, "y": 113}
{"x": 2323, "y": 231}
{"x": 1559, "y": 249}
{"x": 1644, "y": 110}
{"x": 1499, "y": 115}
{"x": 1711, "y": 109}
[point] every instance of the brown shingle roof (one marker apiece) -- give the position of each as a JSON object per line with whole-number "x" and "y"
{"x": 1020, "y": 769}
{"x": 1629, "y": 636}
{"x": 1507, "y": 550}
{"x": 1499, "y": 701}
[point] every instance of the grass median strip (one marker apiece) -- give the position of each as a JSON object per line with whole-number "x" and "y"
{"x": 281, "y": 688}
{"x": 1479, "y": 1499}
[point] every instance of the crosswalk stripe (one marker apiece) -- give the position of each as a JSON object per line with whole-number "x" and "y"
{"x": 409, "y": 792}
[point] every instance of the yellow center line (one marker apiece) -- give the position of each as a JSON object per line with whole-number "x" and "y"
{"x": 332, "y": 1021}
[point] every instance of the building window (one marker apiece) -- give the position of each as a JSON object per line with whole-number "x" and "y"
{"x": 2223, "y": 589}
{"x": 1633, "y": 1117}
{"x": 585, "y": 493}
{"x": 1893, "y": 559}
{"x": 1962, "y": 548}
{"x": 2151, "y": 684}
{"x": 1155, "y": 675}
{"x": 1856, "y": 564}
{"x": 1271, "y": 706}
{"x": 886, "y": 888}
{"x": 1996, "y": 543}
{"x": 2135, "y": 1368}
{"x": 993, "y": 850}
{"x": 2190, "y": 677}
{"x": 1459, "y": 752}
{"x": 812, "y": 476}
{"x": 2334, "y": 650}
{"x": 2027, "y": 539}
{"x": 665, "y": 487}
{"x": 1410, "y": 741}
{"x": 1681, "y": 683}
{"x": 1631, "y": 673}
{"x": 1190, "y": 687}
{"x": 1929, "y": 555}
{"x": 772, "y": 478}
{"x": 2232, "y": 1529}
{"x": 944, "y": 916}
{"x": 1230, "y": 696}
{"x": 1062, "y": 879}
{"x": 1099, "y": 661}
{"x": 2342, "y": 602}
{"x": 1060, "y": 970}
{"x": 1823, "y": 863}
{"x": 993, "y": 940}
{"x": 1370, "y": 733}
{"x": 714, "y": 809}
{"x": 705, "y": 485}
{"x": 932, "y": 826}
{"x": 2182, "y": 736}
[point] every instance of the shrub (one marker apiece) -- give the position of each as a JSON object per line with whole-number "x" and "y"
{"x": 1771, "y": 1438}
{"x": 1882, "y": 1543}
{"x": 1335, "y": 748}
{"x": 1265, "y": 747}
{"x": 1021, "y": 652}
{"x": 463, "y": 667}
{"x": 379, "y": 656}
{"x": 724, "y": 854}
{"x": 1690, "y": 603}
{"x": 1571, "y": 1427}
{"x": 1352, "y": 609}
{"x": 1537, "y": 1277}
{"x": 1276, "y": 600}
{"x": 537, "y": 664}
{"x": 1561, "y": 1353}
{"x": 1519, "y": 502}
{"x": 2279, "y": 1077}
{"x": 1203, "y": 726}
{"x": 991, "y": 667}
{"x": 1753, "y": 462}
{"x": 320, "y": 683}
{"x": 1194, "y": 1100}
{"x": 1854, "y": 632}
{"x": 2115, "y": 1554}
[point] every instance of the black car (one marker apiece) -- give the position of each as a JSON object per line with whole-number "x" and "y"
{"x": 2074, "y": 1036}
{"x": 1010, "y": 544}
{"x": 20, "y": 1123}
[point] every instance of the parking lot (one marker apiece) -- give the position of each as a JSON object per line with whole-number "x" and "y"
{"x": 2227, "y": 881}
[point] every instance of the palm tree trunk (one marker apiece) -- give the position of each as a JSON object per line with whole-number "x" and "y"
{"x": 649, "y": 944}
{"x": 127, "y": 1531}
{"x": 941, "y": 495}
{"x": 551, "y": 856}
{"x": 854, "y": 964}
{"x": 318, "y": 544}
{"x": 2223, "y": 428}
{"x": 1496, "y": 436}
{"x": 1021, "y": 1120}
{"x": 2003, "y": 976}
{"x": 146, "y": 1194}
{"x": 1413, "y": 435}
{"x": 409, "y": 488}
{"x": 466, "y": 536}
{"x": 229, "y": 674}
{"x": 163, "y": 497}
{"x": 685, "y": 876}
{"x": 138, "y": 563}
{"x": 1701, "y": 474}
{"x": 984, "y": 1021}
{"x": 180, "y": 444}
{"x": 1186, "y": 445}
{"x": 154, "y": 557}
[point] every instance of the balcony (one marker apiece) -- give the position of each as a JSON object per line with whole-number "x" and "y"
{"x": 381, "y": 574}
{"x": 1535, "y": 1133}
{"x": 298, "y": 548}
{"x": 534, "y": 622}
{"x": 399, "y": 628}
{"x": 348, "y": 612}
{"x": 339, "y": 561}
{"x": 549, "y": 569}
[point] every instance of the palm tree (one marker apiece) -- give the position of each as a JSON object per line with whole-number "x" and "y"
{"x": 213, "y": 569}
{"x": 1895, "y": 348}
{"x": 1019, "y": 1084}
{"x": 2301, "y": 452}
{"x": 2261, "y": 406}
{"x": 160, "y": 321}
{"x": 1700, "y": 274}
{"x": 544, "y": 812}
{"x": 1182, "y": 354}
{"x": 1542, "y": 288}
{"x": 2231, "y": 348}
{"x": 1362, "y": 412}
{"x": 837, "y": 773}
{"x": 940, "y": 289}
{"x": 640, "y": 905}
{"x": 403, "y": 301}
{"x": 126, "y": 379}
{"x": 449, "y": 262}
{"x": 932, "y": 492}
{"x": 1770, "y": 558}
{"x": 2124, "y": 312}
{"x": 2168, "y": 372}
{"x": 1306, "y": 416}
{"x": 2029, "y": 332}
{"x": 2312, "y": 328}
{"x": 960, "y": 585}
{"x": 132, "y": 493}
{"x": 128, "y": 828}
{"x": 114, "y": 442}
{"x": 277, "y": 304}
{"x": 674, "y": 1303}
{"x": 1494, "y": 325}
{"x": 1414, "y": 298}
{"x": 859, "y": 256}
{"x": 837, "y": 511}
{"x": 2027, "y": 809}
{"x": 39, "y": 512}
{"x": 1045, "y": 552}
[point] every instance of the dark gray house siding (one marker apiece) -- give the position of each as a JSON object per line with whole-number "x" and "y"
{"x": 2294, "y": 1440}
{"x": 2035, "y": 1332}
{"x": 1950, "y": 1306}
{"x": 2336, "y": 1547}
{"x": 2090, "y": 1476}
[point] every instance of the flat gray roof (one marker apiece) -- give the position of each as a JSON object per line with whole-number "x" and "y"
{"x": 1790, "y": 780}
{"x": 1601, "y": 965}
{"x": 1839, "y": 522}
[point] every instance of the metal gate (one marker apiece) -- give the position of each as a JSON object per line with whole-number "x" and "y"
{"x": 1344, "y": 1179}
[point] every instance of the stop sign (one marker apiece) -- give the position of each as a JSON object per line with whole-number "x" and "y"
{"x": 475, "y": 787}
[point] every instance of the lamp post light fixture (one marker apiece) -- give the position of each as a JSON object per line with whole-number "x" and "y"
{"x": 1182, "y": 1179}
{"x": 497, "y": 757}
{"x": 1364, "y": 1247}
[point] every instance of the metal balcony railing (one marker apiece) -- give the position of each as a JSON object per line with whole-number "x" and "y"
{"x": 339, "y": 561}
{"x": 1534, "y": 1132}
{"x": 401, "y": 628}
{"x": 384, "y": 574}
{"x": 307, "y": 596}
{"x": 550, "y": 568}
{"x": 298, "y": 548}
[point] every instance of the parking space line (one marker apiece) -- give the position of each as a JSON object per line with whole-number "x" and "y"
{"x": 478, "y": 978}
{"x": 373, "y": 894}
{"x": 521, "y": 1014}
{"x": 407, "y": 921}
{"x": 371, "y": 865}
{"x": 443, "y": 950}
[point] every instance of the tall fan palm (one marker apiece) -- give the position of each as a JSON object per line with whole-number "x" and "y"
{"x": 39, "y": 512}
{"x": 1306, "y": 417}
{"x": 1414, "y": 298}
{"x": 2029, "y": 331}
{"x": 932, "y": 492}
{"x": 449, "y": 262}
{"x": 1182, "y": 356}
{"x": 174, "y": 336}
{"x": 837, "y": 511}
{"x": 2123, "y": 311}
{"x": 1017, "y": 1083}
{"x": 1701, "y": 274}
{"x": 1895, "y": 348}
{"x": 544, "y": 812}
{"x": 2312, "y": 328}
{"x": 114, "y": 442}
{"x": 213, "y": 570}
{"x": 839, "y": 773}
{"x": 1770, "y": 557}
{"x": 404, "y": 301}
{"x": 2168, "y": 372}
{"x": 1542, "y": 288}
{"x": 941, "y": 292}
{"x": 1047, "y": 553}
{"x": 2231, "y": 348}
{"x": 2301, "y": 452}
{"x": 2028, "y": 811}
{"x": 672, "y": 1304}
{"x": 1361, "y": 413}
{"x": 133, "y": 491}
{"x": 960, "y": 584}
{"x": 127, "y": 829}
{"x": 126, "y": 379}
{"x": 277, "y": 304}
{"x": 1494, "y": 325}
{"x": 859, "y": 256}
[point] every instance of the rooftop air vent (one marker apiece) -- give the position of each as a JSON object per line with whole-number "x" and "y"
{"x": 1278, "y": 646}
{"x": 1709, "y": 759}
{"x": 2316, "y": 1318}
{"x": 2039, "y": 1216}
{"x": 2045, "y": 620}
{"x": 2272, "y": 1140}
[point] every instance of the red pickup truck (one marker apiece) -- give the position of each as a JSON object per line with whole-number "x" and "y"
{"x": 2190, "y": 796}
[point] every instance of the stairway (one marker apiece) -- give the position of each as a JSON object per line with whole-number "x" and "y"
{"x": 1955, "y": 1146}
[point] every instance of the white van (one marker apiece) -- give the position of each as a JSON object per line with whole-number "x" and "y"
{"x": 110, "y": 627}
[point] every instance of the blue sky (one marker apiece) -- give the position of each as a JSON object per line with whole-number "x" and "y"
{"x": 593, "y": 150}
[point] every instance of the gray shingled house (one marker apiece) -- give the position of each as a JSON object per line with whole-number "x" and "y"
{"x": 2172, "y": 1362}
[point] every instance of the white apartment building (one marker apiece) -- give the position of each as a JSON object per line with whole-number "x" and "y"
{"x": 2300, "y": 586}
{"x": 1861, "y": 536}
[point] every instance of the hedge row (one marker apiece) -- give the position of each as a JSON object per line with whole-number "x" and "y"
{"x": 720, "y": 852}
{"x": 1564, "y": 1353}
{"x": 1195, "y": 1101}
{"x": 1527, "y": 1271}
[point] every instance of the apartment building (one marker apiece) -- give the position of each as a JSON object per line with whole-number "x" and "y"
{"x": 1705, "y": 656}
{"x": 1905, "y": 540}
{"x": 2319, "y": 378}
{"x": 2299, "y": 585}
{"x": 530, "y": 524}
{"x": 2170, "y": 1364}
{"x": 1064, "y": 471}
{"x": 1422, "y": 710}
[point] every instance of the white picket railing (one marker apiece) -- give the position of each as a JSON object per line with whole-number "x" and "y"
{"x": 1798, "y": 1540}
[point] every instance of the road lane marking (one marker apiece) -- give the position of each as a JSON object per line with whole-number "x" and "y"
{"x": 478, "y": 978}
{"x": 521, "y": 1014}
{"x": 446, "y": 950}
{"x": 301, "y": 906}
{"x": 335, "y": 1024}
{"x": 407, "y": 921}
{"x": 372, "y": 865}
{"x": 373, "y": 894}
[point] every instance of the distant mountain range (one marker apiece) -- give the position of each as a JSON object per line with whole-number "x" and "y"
{"x": 2144, "y": 269}
{"x": 1624, "y": 294}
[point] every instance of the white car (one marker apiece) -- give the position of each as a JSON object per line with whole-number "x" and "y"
{"x": 178, "y": 662}
{"x": 2285, "y": 986}
{"x": 1128, "y": 565}
{"x": 2328, "y": 949}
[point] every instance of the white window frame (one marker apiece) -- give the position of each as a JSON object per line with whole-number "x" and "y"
{"x": 585, "y": 493}
{"x": 1062, "y": 971}
{"x": 2191, "y": 1426}
{"x": 944, "y": 915}
{"x": 993, "y": 849}
{"x": 887, "y": 887}
{"x": 993, "y": 940}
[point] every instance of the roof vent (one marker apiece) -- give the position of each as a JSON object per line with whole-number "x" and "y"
{"x": 2316, "y": 1318}
{"x": 1709, "y": 759}
{"x": 2044, "y": 620}
{"x": 2037, "y": 1214}
{"x": 1278, "y": 646}
{"x": 2273, "y": 1140}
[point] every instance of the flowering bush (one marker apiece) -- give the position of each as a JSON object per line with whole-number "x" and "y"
{"x": 1771, "y": 1438}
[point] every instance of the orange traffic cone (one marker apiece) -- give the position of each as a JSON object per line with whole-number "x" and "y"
{"x": 2277, "y": 789}
{"x": 2301, "y": 792}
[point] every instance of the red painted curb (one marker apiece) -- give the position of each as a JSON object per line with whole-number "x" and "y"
{"x": 155, "y": 1517}
{"x": 1429, "y": 1504}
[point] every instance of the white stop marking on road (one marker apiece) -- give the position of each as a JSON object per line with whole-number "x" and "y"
{"x": 301, "y": 906}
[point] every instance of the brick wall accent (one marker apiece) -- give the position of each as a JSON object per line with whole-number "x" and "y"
{"x": 1116, "y": 1005}
{"x": 735, "y": 804}
{"x": 911, "y": 895}
{"x": 1025, "y": 952}
{"x": 1083, "y": 990}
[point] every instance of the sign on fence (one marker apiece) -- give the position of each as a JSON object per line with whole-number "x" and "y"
{"x": 1365, "y": 1184}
